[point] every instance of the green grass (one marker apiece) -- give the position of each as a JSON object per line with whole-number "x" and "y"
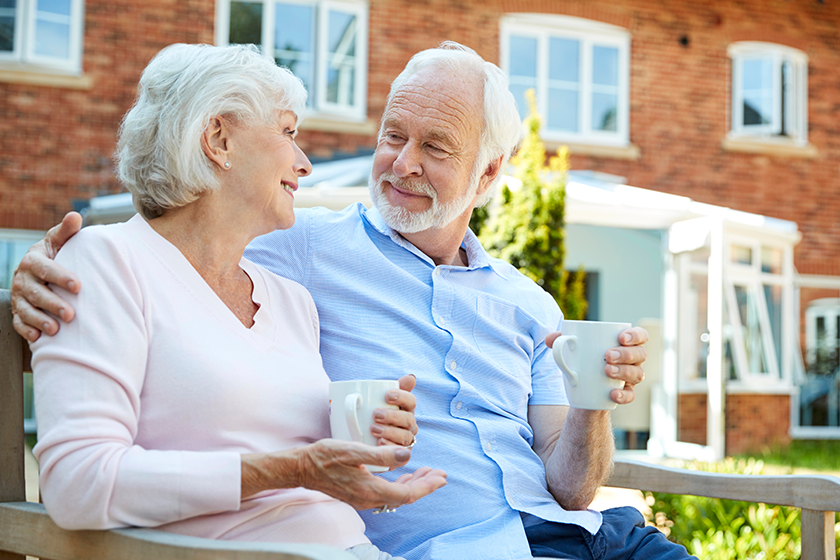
{"x": 814, "y": 455}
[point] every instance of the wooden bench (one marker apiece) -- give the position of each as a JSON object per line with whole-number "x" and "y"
{"x": 26, "y": 529}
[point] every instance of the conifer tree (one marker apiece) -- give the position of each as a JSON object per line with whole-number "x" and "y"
{"x": 525, "y": 227}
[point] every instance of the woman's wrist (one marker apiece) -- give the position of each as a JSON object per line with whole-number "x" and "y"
{"x": 269, "y": 471}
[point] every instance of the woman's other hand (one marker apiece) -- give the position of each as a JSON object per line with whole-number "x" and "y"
{"x": 397, "y": 427}
{"x": 337, "y": 469}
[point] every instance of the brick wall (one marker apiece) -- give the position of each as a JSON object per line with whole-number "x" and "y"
{"x": 752, "y": 421}
{"x": 56, "y": 144}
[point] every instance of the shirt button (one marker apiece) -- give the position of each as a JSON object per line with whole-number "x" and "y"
{"x": 489, "y": 447}
{"x": 441, "y": 321}
{"x": 453, "y": 364}
{"x": 459, "y": 405}
{"x": 437, "y": 272}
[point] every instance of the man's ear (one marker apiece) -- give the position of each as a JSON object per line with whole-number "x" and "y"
{"x": 490, "y": 173}
{"x": 215, "y": 141}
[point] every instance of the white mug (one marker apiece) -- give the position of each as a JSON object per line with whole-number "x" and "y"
{"x": 581, "y": 354}
{"x": 351, "y": 410}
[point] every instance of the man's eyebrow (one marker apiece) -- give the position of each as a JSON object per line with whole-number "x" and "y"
{"x": 442, "y": 136}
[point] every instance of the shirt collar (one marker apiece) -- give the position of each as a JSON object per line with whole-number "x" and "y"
{"x": 476, "y": 255}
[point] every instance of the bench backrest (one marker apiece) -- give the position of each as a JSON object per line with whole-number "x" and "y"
{"x": 12, "y": 485}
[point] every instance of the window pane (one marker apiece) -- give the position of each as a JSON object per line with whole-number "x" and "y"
{"x": 773, "y": 295}
{"x": 564, "y": 60}
{"x": 698, "y": 343}
{"x": 341, "y": 69}
{"x": 11, "y": 252}
{"x": 52, "y": 28}
{"x": 604, "y": 111}
{"x": 758, "y": 91}
{"x": 563, "y": 110}
{"x": 52, "y": 39}
{"x": 518, "y": 91}
{"x": 293, "y": 41}
{"x": 54, "y": 6}
{"x": 771, "y": 260}
{"x": 748, "y": 312}
{"x": 523, "y": 56}
{"x": 605, "y": 66}
{"x": 245, "y": 23}
{"x": 7, "y": 25}
{"x": 740, "y": 254}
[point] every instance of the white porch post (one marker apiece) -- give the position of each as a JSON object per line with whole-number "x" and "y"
{"x": 716, "y": 398}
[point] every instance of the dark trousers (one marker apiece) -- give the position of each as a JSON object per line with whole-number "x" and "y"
{"x": 623, "y": 536}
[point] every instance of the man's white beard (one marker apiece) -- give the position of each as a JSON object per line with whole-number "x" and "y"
{"x": 438, "y": 215}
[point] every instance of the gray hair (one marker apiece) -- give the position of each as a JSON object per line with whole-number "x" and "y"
{"x": 501, "y": 130}
{"x": 159, "y": 153}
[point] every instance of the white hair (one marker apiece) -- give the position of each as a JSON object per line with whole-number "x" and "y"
{"x": 159, "y": 153}
{"x": 501, "y": 130}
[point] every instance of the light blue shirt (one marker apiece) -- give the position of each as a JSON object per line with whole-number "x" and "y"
{"x": 474, "y": 339}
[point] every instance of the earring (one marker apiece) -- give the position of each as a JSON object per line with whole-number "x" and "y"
{"x": 227, "y": 165}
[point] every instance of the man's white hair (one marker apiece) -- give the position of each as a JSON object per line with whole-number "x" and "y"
{"x": 501, "y": 130}
{"x": 159, "y": 152}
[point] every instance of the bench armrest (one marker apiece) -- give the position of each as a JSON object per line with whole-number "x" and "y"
{"x": 25, "y": 528}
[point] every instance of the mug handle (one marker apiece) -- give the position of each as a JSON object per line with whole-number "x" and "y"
{"x": 352, "y": 404}
{"x": 561, "y": 361}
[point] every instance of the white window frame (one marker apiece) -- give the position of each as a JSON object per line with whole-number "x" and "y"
{"x": 795, "y": 105}
{"x": 779, "y": 374}
{"x": 753, "y": 279}
{"x": 589, "y": 33}
{"x": 23, "y": 56}
{"x": 319, "y": 107}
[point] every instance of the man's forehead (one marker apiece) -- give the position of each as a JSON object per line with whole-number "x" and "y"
{"x": 442, "y": 106}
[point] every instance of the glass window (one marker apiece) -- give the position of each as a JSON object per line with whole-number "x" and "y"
{"x": 322, "y": 42}
{"x": 8, "y": 16}
{"x": 773, "y": 298}
{"x": 579, "y": 71}
{"x": 42, "y": 33}
{"x": 13, "y": 245}
{"x": 770, "y": 91}
{"x": 751, "y": 329}
{"x": 771, "y": 260}
{"x": 741, "y": 254}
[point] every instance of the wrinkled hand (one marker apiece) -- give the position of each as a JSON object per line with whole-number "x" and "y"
{"x": 30, "y": 295}
{"x": 337, "y": 469}
{"x": 397, "y": 427}
{"x": 623, "y": 362}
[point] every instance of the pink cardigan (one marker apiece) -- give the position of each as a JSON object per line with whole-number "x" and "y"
{"x": 146, "y": 400}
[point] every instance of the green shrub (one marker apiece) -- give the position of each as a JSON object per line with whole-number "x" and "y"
{"x": 714, "y": 529}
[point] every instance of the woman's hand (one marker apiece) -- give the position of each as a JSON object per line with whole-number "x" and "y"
{"x": 397, "y": 427}
{"x": 337, "y": 469}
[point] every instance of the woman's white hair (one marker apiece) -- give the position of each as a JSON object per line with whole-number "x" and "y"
{"x": 501, "y": 130}
{"x": 159, "y": 153}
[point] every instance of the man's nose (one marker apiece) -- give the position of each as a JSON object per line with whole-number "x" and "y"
{"x": 407, "y": 163}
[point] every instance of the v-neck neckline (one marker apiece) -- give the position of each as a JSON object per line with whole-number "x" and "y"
{"x": 173, "y": 259}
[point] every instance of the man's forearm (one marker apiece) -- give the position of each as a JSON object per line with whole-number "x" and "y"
{"x": 581, "y": 460}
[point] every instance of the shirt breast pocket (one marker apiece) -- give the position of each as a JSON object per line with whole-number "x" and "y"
{"x": 502, "y": 335}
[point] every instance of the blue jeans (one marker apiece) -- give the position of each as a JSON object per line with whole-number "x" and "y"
{"x": 623, "y": 536}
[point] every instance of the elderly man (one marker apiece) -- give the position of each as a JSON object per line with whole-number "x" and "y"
{"x": 407, "y": 288}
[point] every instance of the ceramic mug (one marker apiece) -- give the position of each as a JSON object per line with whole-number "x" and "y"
{"x": 351, "y": 410}
{"x": 581, "y": 354}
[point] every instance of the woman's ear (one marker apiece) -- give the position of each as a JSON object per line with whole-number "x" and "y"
{"x": 215, "y": 141}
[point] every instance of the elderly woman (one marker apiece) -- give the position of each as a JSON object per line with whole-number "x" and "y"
{"x": 189, "y": 394}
